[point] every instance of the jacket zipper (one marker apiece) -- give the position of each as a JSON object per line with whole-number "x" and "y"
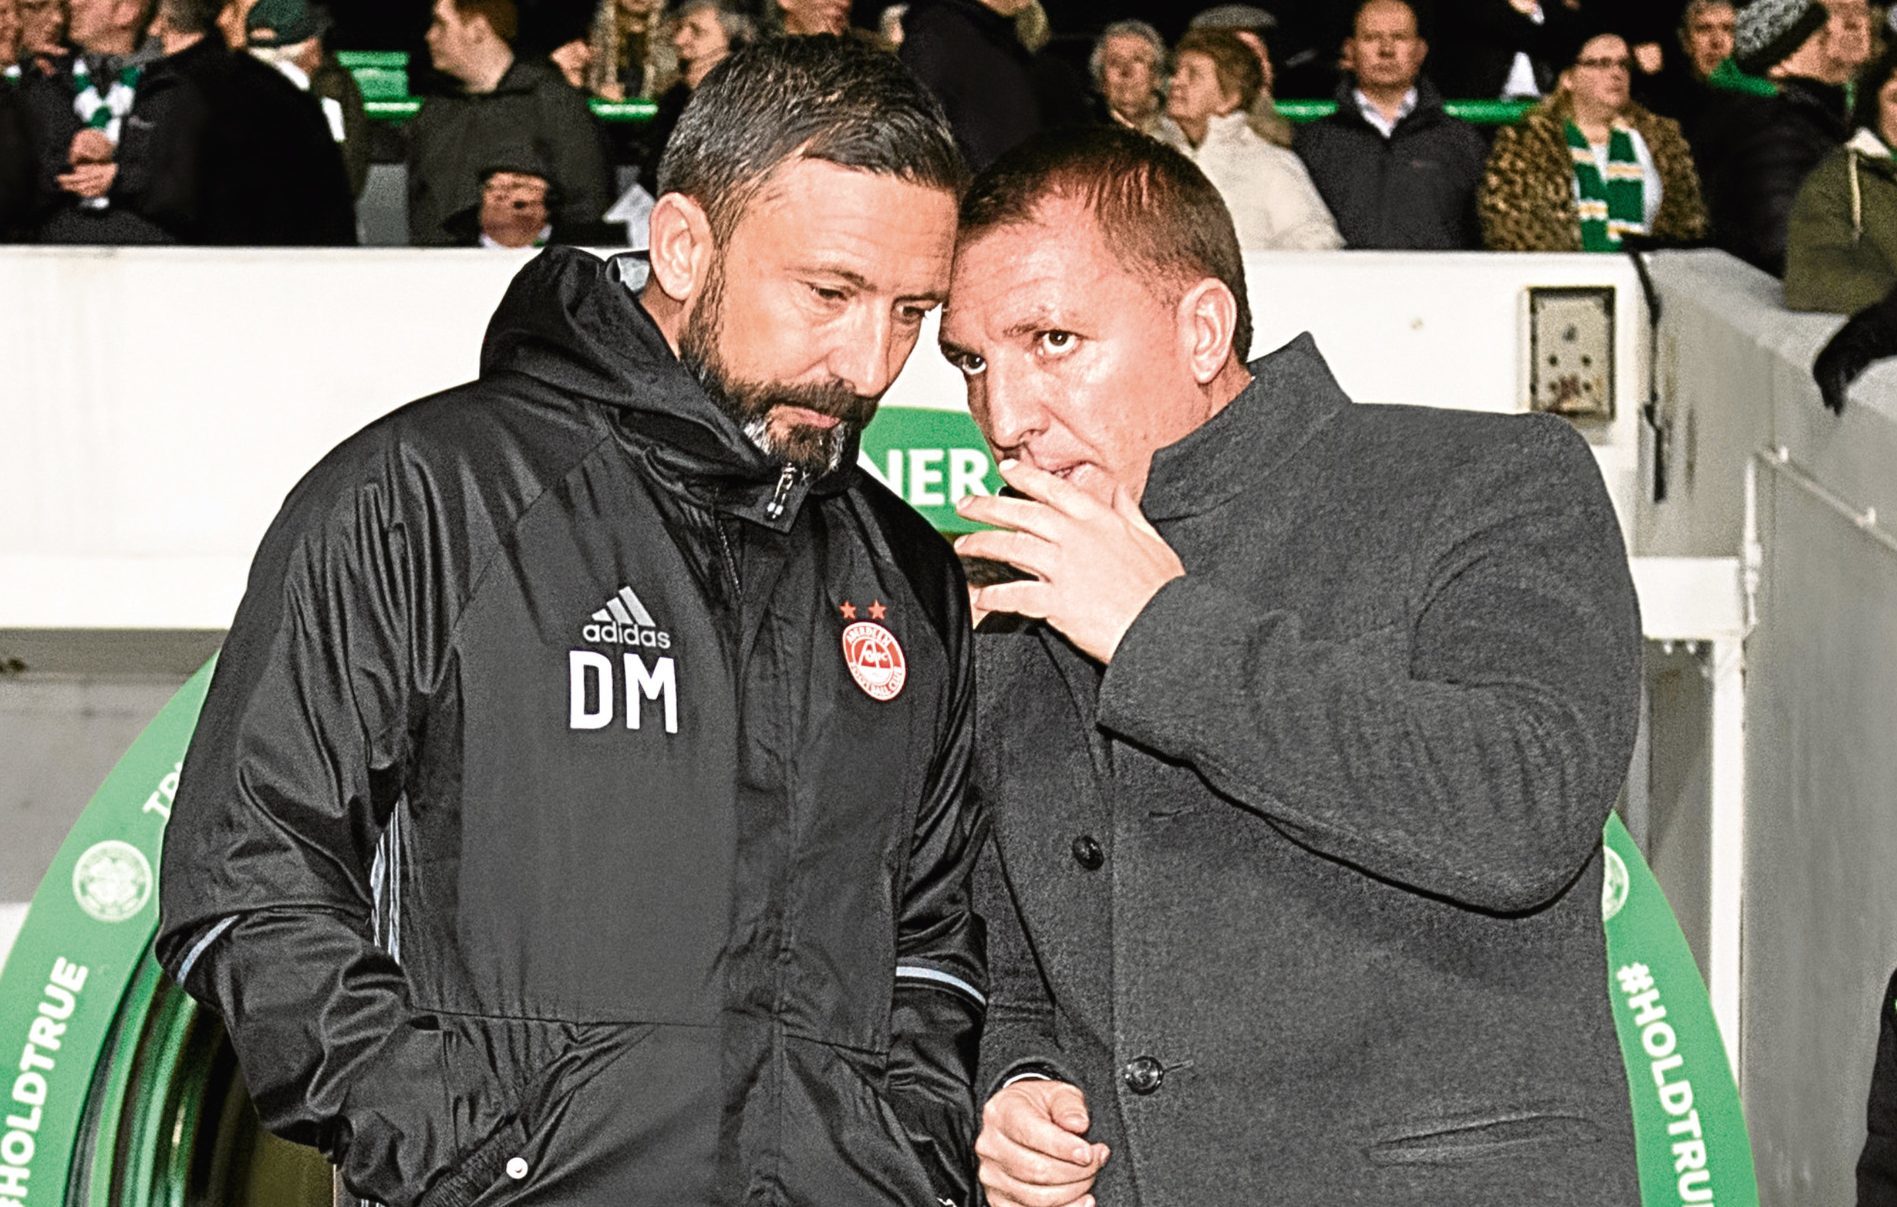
{"x": 731, "y": 559}
{"x": 780, "y": 499}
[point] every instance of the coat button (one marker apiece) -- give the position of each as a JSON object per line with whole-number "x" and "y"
{"x": 1143, "y": 1074}
{"x": 1088, "y": 853}
{"x": 517, "y": 1168}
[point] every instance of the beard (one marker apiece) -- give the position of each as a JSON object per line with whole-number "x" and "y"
{"x": 754, "y": 405}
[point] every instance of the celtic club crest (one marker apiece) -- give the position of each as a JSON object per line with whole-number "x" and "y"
{"x": 875, "y": 660}
{"x": 1615, "y": 884}
{"x": 112, "y": 881}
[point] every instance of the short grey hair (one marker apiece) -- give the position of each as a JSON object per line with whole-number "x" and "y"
{"x": 1097, "y": 61}
{"x": 740, "y": 28}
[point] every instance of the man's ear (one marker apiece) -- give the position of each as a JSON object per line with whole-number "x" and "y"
{"x": 1422, "y": 51}
{"x": 1208, "y": 320}
{"x": 682, "y": 247}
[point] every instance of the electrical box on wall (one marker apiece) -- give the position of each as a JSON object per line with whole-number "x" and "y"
{"x": 1571, "y": 351}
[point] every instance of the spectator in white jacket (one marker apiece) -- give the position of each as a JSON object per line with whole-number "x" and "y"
{"x": 1273, "y": 202}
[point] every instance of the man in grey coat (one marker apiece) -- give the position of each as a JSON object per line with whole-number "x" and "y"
{"x": 1298, "y": 739}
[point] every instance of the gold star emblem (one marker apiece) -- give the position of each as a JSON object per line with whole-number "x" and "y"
{"x": 877, "y": 611}
{"x": 849, "y": 611}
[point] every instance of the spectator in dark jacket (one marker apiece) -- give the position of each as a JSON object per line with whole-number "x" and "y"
{"x": 704, "y": 33}
{"x": 126, "y": 172}
{"x": 968, "y": 53}
{"x": 1504, "y": 48}
{"x": 1393, "y": 168}
{"x": 269, "y": 171}
{"x": 1757, "y": 150}
{"x": 1877, "y": 1167}
{"x": 503, "y": 100}
{"x": 288, "y": 35}
{"x": 1128, "y": 66}
{"x": 16, "y": 143}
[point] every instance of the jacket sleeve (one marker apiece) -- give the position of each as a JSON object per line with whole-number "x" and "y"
{"x": 579, "y": 160}
{"x": 1682, "y": 216}
{"x": 291, "y": 776}
{"x": 1020, "y": 1037}
{"x": 1299, "y": 219}
{"x": 1877, "y": 1165}
{"x": 941, "y": 986}
{"x": 1474, "y": 757}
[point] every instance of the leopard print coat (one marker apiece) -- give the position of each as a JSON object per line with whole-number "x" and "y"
{"x": 1527, "y": 196}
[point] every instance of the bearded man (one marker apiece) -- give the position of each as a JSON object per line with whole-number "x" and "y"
{"x": 577, "y": 815}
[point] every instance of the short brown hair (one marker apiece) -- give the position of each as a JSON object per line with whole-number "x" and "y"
{"x": 1153, "y": 206}
{"x": 1233, "y": 62}
{"x": 501, "y": 16}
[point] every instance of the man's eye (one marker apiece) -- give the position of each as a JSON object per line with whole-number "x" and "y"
{"x": 970, "y": 364}
{"x": 1058, "y": 341}
{"x": 826, "y": 293}
{"x": 912, "y": 315}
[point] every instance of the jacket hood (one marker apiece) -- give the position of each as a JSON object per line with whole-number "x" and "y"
{"x": 573, "y": 323}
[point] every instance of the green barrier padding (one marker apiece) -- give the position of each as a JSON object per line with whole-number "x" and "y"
{"x": 1687, "y": 1118}
{"x": 116, "y": 1098}
{"x": 87, "y": 932}
{"x": 402, "y": 108}
{"x": 1476, "y": 113}
{"x": 931, "y": 459}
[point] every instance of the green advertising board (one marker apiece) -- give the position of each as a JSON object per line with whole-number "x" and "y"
{"x": 115, "y": 1098}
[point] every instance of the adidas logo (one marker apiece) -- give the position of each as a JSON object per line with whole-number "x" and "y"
{"x": 625, "y": 621}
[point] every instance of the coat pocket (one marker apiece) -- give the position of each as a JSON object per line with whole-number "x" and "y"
{"x": 1480, "y": 1138}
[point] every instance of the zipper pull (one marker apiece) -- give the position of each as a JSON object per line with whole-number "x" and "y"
{"x": 781, "y": 497}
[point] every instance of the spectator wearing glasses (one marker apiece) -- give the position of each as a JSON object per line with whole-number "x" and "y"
{"x": 1395, "y": 170}
{"x": 1128, "y": 65}
{"x": 1215, "y": 80}
{"x": 1590, "y": 168}
{"x": 503, "y": 101}
{"x": 1757, "y": 150}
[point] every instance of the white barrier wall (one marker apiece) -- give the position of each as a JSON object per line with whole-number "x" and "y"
{"x": 166, "y": 400}
{"x": 1819, "y": 920}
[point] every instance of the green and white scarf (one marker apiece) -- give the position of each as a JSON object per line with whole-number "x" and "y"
{"x": 104, "y": 113}
{"x": 1611, "y": 207}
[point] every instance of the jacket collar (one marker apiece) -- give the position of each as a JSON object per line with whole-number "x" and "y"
{"x": 1291, "y": 396}
{"x": 1427, "y": 110}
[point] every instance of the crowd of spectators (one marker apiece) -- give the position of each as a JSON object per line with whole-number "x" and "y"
{"x": 1762, "y": 128}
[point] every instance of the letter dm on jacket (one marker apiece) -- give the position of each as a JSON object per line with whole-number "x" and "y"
{"x": 593, "y": 679}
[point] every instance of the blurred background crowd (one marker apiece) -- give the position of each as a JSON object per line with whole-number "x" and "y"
{"x": 1765, "y": 128}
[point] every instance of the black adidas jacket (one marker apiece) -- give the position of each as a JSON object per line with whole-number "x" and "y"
{"x": 506, "y": 900}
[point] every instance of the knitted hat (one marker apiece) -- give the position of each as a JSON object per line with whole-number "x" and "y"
{"x": 1769, "y": 31}
{"x": 1236, "y": 16}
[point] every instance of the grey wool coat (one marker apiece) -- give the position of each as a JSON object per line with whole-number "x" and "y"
{"x": 1304, "y": 890}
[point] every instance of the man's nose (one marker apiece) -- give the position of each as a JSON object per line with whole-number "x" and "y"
{"x": 1008, "y": 409}
{"x": 865, "y": 357}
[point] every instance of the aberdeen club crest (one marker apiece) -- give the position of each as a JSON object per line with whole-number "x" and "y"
{"x": 875, "y": 659}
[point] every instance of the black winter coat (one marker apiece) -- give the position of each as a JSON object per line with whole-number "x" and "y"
{"x": 1754, "y": 153}
{"x": 577, "y": 813}
{"x": 1310, "y": 873}
{"x": 154, "y": 198}
{"x": 455, "y": 139}
{"x": 971, "y": 58}
{"x": 1413, "y": 191}
{"x": 16, "y": 165}
{"x": 272, "y": 172}
{"x": 1877, "y": 1165}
